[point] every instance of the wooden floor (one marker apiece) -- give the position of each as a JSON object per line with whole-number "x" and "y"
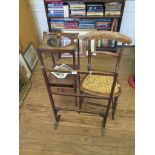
{"x": 77, "y": 134}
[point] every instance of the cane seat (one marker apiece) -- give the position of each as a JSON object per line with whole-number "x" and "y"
{"x": 99, "y": 85}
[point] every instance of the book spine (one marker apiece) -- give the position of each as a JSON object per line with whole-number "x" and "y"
{"x": 66, "y": 10}
{"x": 99, "y": 43}
{"x": 92, "y": 45}
{"x": 53, "y": 1}
{"x": 55, "y": 15}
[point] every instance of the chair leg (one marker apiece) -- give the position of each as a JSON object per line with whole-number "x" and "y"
{"x": 110, "y": 101}
{"x": 75, "y": 89}
{"x": 56, "y": 122}
{"x": 114, "y": 107}
{"x": 103, "y": 126}
{"x": 76, "y": 101}
{"x": 80, "y": 101}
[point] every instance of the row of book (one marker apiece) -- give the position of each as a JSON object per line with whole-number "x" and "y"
{"x": 95, "y": 10}
{"x": 103, "y": 23}
{"x": 57, "y": 23}
{"x": 76, "y": 23}
{"x": 113, "y": 8}
{"x": 82, "y": 9}
{"x": 71, "y": 23}
{"x": 105, "y": 43}
{"x": 86, "y": 23}
{"x": 56, "y": 8}
{"x": 77, "y": 8}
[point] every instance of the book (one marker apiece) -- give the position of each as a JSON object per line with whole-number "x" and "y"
{"x": 86, "y": 21}
{"x": 104, "y": 19}
{"x": 112, "y": 13}
{"x": 93, "y": 47}
{"x": 113, "y": 4}
{"x": 98, "y": 43}
{"x": 57, "y": 20}
{"x": 55, "y": 15}
{"x": 66, "y": 10}
{"x": 53, "y": 0}
{"x": 53, "y": 4}
{"x": 94, "y": 13}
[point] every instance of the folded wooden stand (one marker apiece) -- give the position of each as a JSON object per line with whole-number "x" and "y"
{"x": 95, "y": 84}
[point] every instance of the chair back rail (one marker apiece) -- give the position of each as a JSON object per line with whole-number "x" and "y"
{"x": 110, "y": 35}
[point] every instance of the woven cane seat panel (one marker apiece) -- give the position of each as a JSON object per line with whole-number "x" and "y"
{"x": 99, "y": 85}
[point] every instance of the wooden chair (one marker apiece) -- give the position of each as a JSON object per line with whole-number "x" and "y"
{"x": 103, "y": 84}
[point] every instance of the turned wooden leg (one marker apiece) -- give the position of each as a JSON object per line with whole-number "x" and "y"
{"x": 114, "y": 105}
{"x": 103, "y": 126}
{"x": 56, "y": 122}
{"x": 80, "y": 101}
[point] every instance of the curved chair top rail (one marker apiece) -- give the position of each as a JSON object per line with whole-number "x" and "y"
{"x": 110, "y": 35}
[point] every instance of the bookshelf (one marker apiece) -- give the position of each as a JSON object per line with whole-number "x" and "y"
{"x": 86, "y": 14}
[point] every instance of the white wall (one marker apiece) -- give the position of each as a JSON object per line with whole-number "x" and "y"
{"x": 127, "y": 26}
{"x": 128, "y": 20}
{"x": 39, "y": 15}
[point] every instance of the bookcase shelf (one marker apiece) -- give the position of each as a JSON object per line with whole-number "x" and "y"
{"x": 86, "y": 15}
{"x": 91, "y": 1}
